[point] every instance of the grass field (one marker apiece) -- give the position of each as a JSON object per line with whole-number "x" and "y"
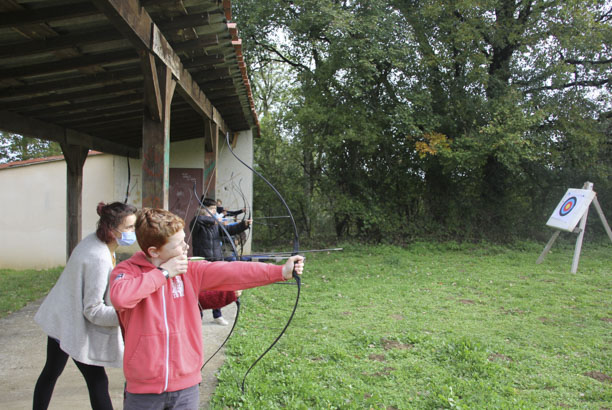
{"x": 17, "y": 288}
{"x": 430, "y": 326}
{"x": 427, "y": 326}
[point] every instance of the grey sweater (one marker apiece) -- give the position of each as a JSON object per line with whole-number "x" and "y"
{"x": 78, "y": 312}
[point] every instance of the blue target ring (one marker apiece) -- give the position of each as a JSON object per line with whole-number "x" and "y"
{"x": 568, "y": 206}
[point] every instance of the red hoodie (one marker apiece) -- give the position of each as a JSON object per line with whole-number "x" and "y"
{"x": 213, "y": 299}
{"x": 161, "y": 319}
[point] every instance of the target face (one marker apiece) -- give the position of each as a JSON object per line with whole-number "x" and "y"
{"x": 571, "y": 208}
{"x": 567, "y": 206}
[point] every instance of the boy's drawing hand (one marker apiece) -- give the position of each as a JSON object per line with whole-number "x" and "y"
{"x": 296, "y": 263}
{"x": 176, "y": 266}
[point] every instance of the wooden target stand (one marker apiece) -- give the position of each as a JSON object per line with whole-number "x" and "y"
{"x": 574, "y": 208}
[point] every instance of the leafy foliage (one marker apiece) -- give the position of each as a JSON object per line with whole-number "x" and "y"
{"x": 14, "y": 147}
{"x": 405, "y": 119}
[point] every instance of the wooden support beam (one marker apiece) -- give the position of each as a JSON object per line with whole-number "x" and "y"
{"x": 107, "y": 78}
{"x": 114, "y": 90}
{"x": 135, "y": 23}
{"x": 48, "y": 45}
{"x": 156, "y": 145}
{"x": 46, "y": 14}
{"x": 32, "y": 127}
{"x": 209, "y": 60}
{"x": 602, "y": 217}
{"x": 75, "y": 157}
{"x": 197, "y": 44}
{"x": 68, "y": 64}
{"x": 182, "y": 22}
{"x": 152, "y": 98}
{"x": 214, "y": 74}
{"x": 208, "y": 139}
{"x": 97, "y": 114}
{"x": 112, "y": 101}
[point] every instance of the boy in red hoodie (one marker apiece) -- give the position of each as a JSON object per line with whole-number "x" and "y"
{"x": 156, "y": 294}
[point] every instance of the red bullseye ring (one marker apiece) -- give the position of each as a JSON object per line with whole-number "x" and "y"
{"x": 567, "y": 206}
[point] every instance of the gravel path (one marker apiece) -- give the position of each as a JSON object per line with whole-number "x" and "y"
{"x": 22, "y": 355}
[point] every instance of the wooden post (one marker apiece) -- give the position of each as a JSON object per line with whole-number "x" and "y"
{"x": 602, "y": 217}
{"x": 578, "y": 248}
{"x": 580, "y": 229}
{"x": 549, "y": 245}
{"x": 211, "y": 157}
{"x": 159, "y": 86}
{"x": 75, "y": 157}
{"x": 589, "y": 186}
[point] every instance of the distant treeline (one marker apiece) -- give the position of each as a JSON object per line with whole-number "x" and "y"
{"x": 395, "y": 120}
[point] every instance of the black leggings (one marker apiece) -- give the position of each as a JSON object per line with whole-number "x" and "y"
{"x": 95, "y": 377}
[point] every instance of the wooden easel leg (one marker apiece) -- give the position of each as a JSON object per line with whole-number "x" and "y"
{"x": 549, "y": 245}
{"x": 602, "y": 217}
{"x": 583, "y": 221}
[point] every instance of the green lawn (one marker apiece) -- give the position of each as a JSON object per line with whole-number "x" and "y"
{"x": 18, "y": 287}
{"x": 430, "y": 326}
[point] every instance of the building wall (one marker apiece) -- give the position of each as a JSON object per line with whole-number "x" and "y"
{"x": 33, "y": 210}
{"x": 233, "y": 177}
{"x": 33, "y": 206}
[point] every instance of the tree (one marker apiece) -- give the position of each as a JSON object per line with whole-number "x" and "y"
{"x": 14, "y": 147}
{"x": 460, "y": 117}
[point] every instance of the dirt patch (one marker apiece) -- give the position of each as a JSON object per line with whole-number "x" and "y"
{"x": 386, "y": 371}
{"x": 23, "y": 353}
{"x": 599, "y": 376}
{"x": 607, "y": 319}
{"x": 512, "y": 311}
{"x": 466, "y": 301}
{"x": 394, "y": 344}
{"x": 377, "y": 357}
{"x": 497, "y": 357}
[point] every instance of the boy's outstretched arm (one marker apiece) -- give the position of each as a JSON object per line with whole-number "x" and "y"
{"x": 243, "y": 275}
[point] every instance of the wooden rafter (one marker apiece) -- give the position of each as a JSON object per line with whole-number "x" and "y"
{"x": 39, "y": 129}
{"x": 46, "y": 14}
{"x": 139, "y": 28}
{"x": 65, "y": 71}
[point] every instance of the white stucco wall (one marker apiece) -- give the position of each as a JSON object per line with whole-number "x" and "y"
{"x": 33, "y": 198}
{"x": 232, "y": 176}
{"x": 33, "y": 210}
{"x": 187, "y": 154}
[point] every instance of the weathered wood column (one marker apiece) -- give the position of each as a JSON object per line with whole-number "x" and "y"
{"x": 75, "y": 157}
{"x": 159, "y": 89}
{"x": 211, "y": 144}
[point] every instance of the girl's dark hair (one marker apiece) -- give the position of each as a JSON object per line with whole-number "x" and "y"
{"x": 111, "y": 216}
{"x": 208, "y": 201}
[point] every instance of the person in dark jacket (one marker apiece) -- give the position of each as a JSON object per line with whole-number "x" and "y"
{"x": 221, "y": 210}
{"x": 206, "y": 238}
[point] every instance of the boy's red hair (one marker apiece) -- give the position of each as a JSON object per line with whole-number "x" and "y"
{"x": 155, "y": 226}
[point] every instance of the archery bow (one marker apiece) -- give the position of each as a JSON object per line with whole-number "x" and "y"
{"x": 296, "y": 249}
{"x": 247, "y": 214}
{"x": 229, "y": 237}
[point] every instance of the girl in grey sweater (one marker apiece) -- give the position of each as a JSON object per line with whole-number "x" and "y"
{"x": 77, "y": 314}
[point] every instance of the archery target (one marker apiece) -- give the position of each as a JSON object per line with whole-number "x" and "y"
{"x": 570, "y": 209}
{"x": 568, "y": 206}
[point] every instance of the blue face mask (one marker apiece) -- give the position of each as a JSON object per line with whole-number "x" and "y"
{"x": 127, "y": 238}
